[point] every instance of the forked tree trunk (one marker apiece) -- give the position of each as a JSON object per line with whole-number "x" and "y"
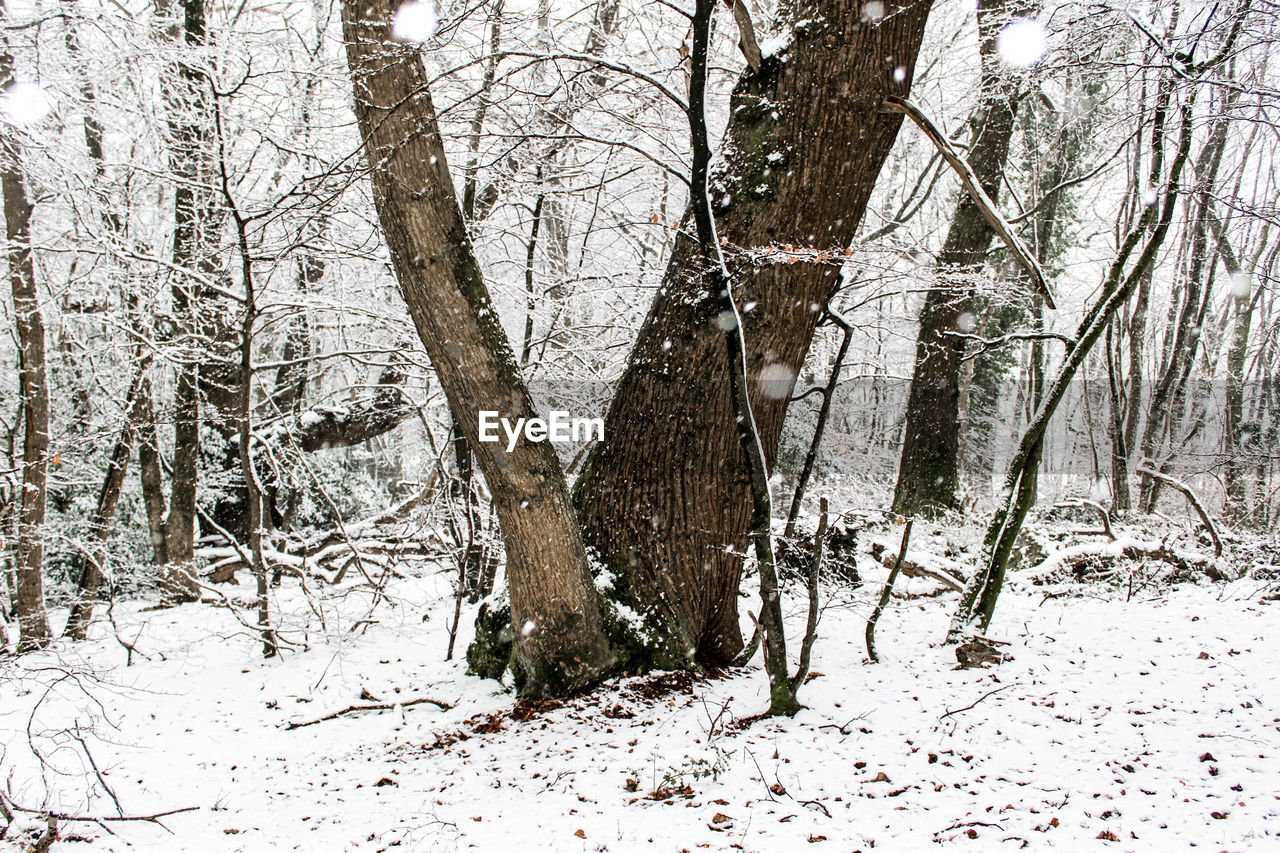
{"x": 1164, "y": 415}
{"x": 560, "y": 643}
{"x": 33, "y": 385}
{"x": 929, "y": 470}
{"x": 665, "y": 499}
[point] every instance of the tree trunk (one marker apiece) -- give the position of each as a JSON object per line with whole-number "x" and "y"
{"x": 92, "y": 563}
{"x": 929, "y": 471}
{"x": 1163, "y": 416}
{"x": 665, "y": 499}
{"x": 978, "y": 599}
{"x": 197, "y": 224}
{"x": 560, "y": 643}
{"x": 33, "y": 385}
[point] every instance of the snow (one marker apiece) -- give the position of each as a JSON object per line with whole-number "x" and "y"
{"x": 414, "y": 22}
{"x": 1141, "y": 718}
{"x": 24, "y": 104}
{"x": 1022, "y": 43}
{"x": 1241, "y": 285}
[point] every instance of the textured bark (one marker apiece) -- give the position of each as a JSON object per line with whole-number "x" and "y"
{"x": 560, "y": 643}
{"x": 150, "y": 473}
{"x": 33, "y": 385}
{"x": 665, "y": 499}
{"x": 929, "y": 470}
{"x": 197, "y": 224}
{"x": 782, "y": 692}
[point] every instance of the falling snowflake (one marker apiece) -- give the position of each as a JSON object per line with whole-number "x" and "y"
{"x": 966, "y": 322}
{"x": 527, "y": 628}
{"x": 24, "y": 104}
{"x": 726, "y": 322}
{"x": 1241, "y": 285}
{"x": 1022, "y": 43}
{"x": 414, "y": 22}
{"x": 775, "y": 381}
{"x": 873, "y": 11}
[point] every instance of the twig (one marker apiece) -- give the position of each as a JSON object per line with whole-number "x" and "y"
{"x": 371, "y": 706}
{"x": 885, "y": 593}
{"x": 124, "y": 818}
{"x": 975, "y": 704}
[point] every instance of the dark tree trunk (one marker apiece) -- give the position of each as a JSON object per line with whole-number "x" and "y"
{"x": 929, "y": 470}
{"x": 33, "y": 385}
{"x": 197, "y": 224}
{"x": 92, "y": 562}
{"x": 560, "y": 643}
{"x": 665, "y": 499}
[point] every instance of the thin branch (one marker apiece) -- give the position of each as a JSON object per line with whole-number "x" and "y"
{"x": 988, "y": 208}
{"x": 886, "y": 592}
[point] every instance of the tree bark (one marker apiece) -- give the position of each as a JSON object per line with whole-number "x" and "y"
{"x": 33, "y": 384}
{"x": 560, "y": 643}
{"x": 92, "y": 562}
{"x": 197, "y": 224}
{"x": 665, "y": 499}
{"x": 929, "y": 470}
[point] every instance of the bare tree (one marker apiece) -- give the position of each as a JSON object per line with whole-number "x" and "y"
{"x": 33, "y": 380}
{"x": 560, "y": 642}
{"x": 665, "y": 500}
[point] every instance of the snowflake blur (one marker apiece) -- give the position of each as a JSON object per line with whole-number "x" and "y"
{"x": 24, "y": 104}
{"x": 414, "y": 22}
{"x": 1022, "y": 43}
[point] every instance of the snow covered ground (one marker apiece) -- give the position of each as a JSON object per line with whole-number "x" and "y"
{"x": 1131, "y": 723}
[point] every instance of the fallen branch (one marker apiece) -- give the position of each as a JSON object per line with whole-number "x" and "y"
{"x": 1103, "y": 515}
{"x": 67, "y": 817}
{"x": 976, "y": 702}
{"x": 1192, "y": 498}
{"x": 371, "y": 706}
{"x": 1077, "y": 558}
{"x": 988, "y": 208}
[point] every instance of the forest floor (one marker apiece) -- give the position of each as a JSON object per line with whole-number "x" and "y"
{"x": 1127, "y": 719}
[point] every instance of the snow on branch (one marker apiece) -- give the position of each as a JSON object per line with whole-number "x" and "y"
{"x": 993, "y": 216}
{"x": 1192, "y": 498}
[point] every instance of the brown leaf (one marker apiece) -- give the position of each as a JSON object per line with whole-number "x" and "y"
{"x": 1208, "y": 756}
{"x": 777, "y": 789}
{"x": 581, "y": 833}
{"x": 721, "y": 817}
{"x": 1108, "y": 835}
